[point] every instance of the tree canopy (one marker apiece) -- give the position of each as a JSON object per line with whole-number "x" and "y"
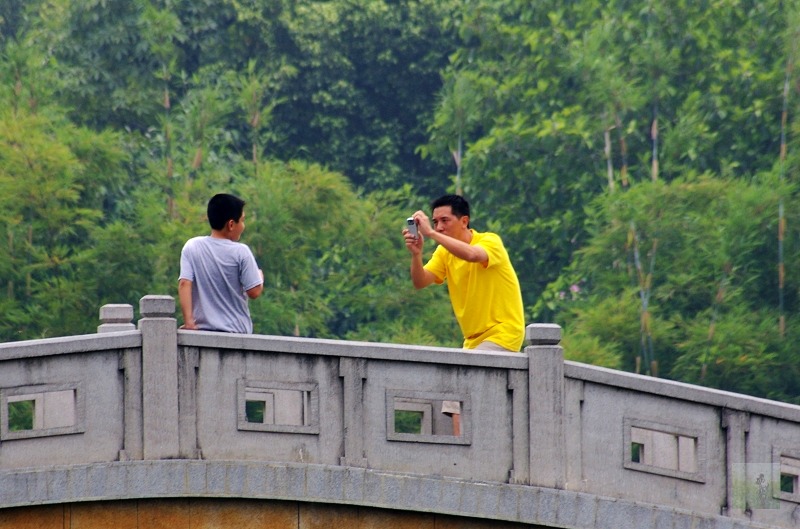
{"x": 639, "y": 161}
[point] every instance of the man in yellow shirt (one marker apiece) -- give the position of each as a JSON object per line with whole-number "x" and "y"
{"x": 482, "y": 284}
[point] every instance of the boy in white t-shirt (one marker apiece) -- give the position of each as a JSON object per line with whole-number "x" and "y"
{"x": 218, "y": 273}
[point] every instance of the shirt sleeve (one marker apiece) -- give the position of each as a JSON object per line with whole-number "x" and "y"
{"x": 187, "y": 271}
{"x": 248, "y": 272}
{"x": 493, "y": 245}
{"x": 437, "y": 265}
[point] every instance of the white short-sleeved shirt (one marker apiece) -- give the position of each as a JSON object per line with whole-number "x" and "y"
{"x": 221, "y": 272}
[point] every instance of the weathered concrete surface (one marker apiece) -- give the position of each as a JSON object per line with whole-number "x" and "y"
{"x": 322, "y": 487}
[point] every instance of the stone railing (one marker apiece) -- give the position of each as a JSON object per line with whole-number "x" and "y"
{"x": 155, "y": 393}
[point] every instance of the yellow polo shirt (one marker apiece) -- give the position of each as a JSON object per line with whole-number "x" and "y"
{"x": 486, "y": 299}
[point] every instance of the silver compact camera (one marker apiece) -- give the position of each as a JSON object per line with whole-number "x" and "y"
{"x": 411, "y": 224}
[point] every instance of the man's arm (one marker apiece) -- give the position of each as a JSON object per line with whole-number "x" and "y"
{"x": 462, "y": 250}
{"x": 420, "y": 277}
{"x": 185, "y": 297}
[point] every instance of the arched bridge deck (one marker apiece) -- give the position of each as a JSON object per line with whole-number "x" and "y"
{"x": 151, "y": 412}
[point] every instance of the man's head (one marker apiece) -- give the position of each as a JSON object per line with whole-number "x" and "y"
{"x": 458, "y": 204}
{"x": 451, "y": 215}
{"x": 226, "y": 213}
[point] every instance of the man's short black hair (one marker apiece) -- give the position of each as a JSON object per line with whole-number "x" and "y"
{"x": 224, "y": 207}
{"x": 458, "y": 204}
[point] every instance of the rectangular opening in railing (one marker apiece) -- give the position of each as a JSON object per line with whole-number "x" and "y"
{"x": 663, "y": 449}
{"x": 267, "y": 406}
{"x": 425, "y": 417}
{"x": 42, "y": 410}
{"x": 786, "y": 471}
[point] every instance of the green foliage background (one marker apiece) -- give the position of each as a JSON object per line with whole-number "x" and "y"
{"x": 639, "y": 160}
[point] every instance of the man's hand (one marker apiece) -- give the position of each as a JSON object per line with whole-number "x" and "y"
{"x": 414, "y": 244}
{"x": 419, "y": 276}
{"x": 424, "y": 225}
{"x": 424, "y": 228}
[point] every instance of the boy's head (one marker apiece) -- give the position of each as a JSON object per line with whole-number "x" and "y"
{"x": 222, "y": 208}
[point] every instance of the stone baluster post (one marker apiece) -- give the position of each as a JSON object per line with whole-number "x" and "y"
{"x": 546, "y": 397}
{"x": 159, "y": 377}
{"x": 115, "y": 318}
{"x": 736, "y": 425}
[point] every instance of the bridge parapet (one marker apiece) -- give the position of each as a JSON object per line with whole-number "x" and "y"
{"x": 530, "y": 421}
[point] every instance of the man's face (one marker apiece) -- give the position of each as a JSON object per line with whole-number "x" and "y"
{"x": 444, "y": 221}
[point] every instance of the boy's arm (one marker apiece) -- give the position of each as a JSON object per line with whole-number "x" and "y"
{"x": 256, "y": 291}
{"x": 185, "y": 297}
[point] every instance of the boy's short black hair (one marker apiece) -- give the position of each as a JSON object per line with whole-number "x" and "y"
{"x": 458, "y": 204}
{"x": 224, "y": 207}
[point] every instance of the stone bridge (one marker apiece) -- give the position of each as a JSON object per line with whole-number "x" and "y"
{"x": 144, "y": 426}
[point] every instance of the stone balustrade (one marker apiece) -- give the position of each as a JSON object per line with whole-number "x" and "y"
{"x": 530, "y": 423}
